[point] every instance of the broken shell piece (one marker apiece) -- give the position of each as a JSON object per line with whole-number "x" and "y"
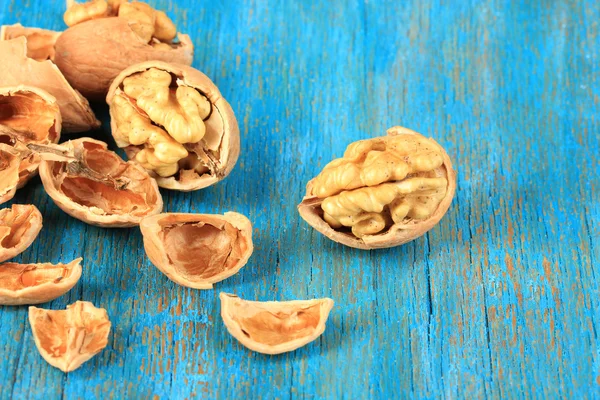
{"x": 40, "y": 42}
{"x": 93, "y": 184}
{"x": 68, "y": 338}
{"x": 383, "y": 192}
{"x": 197, "y": 250}
{"x": 28, "y": 115}
{"x": 36, "y": 283}
{"x": 17, "y": 69}
{"x": 10, "y": 160}
{"x": 274, "y": 327}
{"x": 173, "y": 120}
{"x": 19, "y": 226}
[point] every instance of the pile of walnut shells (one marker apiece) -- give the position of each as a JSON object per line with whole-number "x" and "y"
{"x": 178, "y": 133}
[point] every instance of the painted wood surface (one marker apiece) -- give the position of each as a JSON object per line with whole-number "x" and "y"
{"x": 501, "y": 299}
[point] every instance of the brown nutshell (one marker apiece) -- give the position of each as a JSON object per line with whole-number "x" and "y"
{"x": 197, "y": 250}
{"x": 92, "y": 53}
{"x": 93, "y": 184}
{"x": 68, "y": 338}
{"x": 19, "y": 227}
{"x": 18, "y": 69}
{"x": 274, "y": 327}
{"x": 40, "y": 42}
{"x": 173, "y": 120}
{"x": 384, "y": 192}
{"x": 36, "y": 283}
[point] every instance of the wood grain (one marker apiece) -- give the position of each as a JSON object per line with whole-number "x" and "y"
{"x": 499, "y": 300}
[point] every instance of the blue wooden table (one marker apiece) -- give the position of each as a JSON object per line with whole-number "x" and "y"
{"x": 501, "y": 299}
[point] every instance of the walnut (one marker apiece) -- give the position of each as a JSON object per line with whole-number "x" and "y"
{"x": 172, "y": 120}
{"x": 40, "y": 42}
{"x": 384, "y": 192}
{"x": 274, "y": 327}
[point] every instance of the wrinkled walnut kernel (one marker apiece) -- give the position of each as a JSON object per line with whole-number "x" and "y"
{"x": 68, "y": 338}
{"x": 274, "y": 327}
{"x": 95, "y": 185}
{"x": 197, "y": 250}
{"x": 19, "y": 226}
{"x": 384, "y": 191}
{"x": 172, "y": 120}
{"x": 36, "y": 283}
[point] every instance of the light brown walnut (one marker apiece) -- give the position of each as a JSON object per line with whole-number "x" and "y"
{"x": 197, "y": 250}
{"x": 68, "y": 338}
{"x": 172, "y": 120}
{"x": 36, "y": 283}
{"x": 93, "y": 184}
{"x": 40, "y": 42}
{"x": 19, "y": 226}
{"x": 274, "y": 327}
{"x": 105, "y": 38}
{"x": 384, "y": 192}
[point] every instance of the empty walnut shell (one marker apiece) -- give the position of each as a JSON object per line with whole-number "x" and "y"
{"x": 274, "y": 327}
{"x": 68, "y": 338}
{"x": 19, "y": 226}
{"x": 17, "y": 69}
{"x": 27, "y": 115}
{"x": 10, "y": 160}
{"x": 91, "y": 54}
{"x": 197, "y": 250}
{"x": 93, "y": 184}
{"x": 40, "y": 42}
{"x": 173, "y": 120}
{"x": 36, "y": 283}
{"x": 384, "y": 192}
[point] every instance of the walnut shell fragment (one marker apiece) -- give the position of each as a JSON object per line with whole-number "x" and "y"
{"x": 173, "y": 120}
{"x": 27, "y": 115}
{"x": 274, "y": 327}
{"x": 197, "y": 250}
{"x": 40, "y": 42}
{"x": 17, "y": 69}
{"x": 19, "y": 226}
{"x": 384, "y": 192}
{"x": 68, "y": 338}
{"x": 36, "y": 283}
{"x": 93, "y": 184}
{"x": 92, "y": 53}
{"x": 10, "y": 161}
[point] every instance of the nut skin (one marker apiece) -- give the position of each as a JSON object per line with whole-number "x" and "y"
{"x": 43, "y": 292}
{"x": 230, "y": 145}
{"x": 83, "y": 213}
{"x": 158, "y": 254}
{"x": 310, "y": 211}
{"x": 28, "y": 235}
{"x": 231, "y": 302}
{"x": 91, "y": 54}
{"x": 17, "y": 69}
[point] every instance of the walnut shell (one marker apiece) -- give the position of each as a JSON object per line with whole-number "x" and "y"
{"x": 274, "y": 327}
{"x": 373, "y": 167}
{"x": 36, "y": 283}
{"x": 68, "y": 338}
{"x": 40, "y": 42}
{"x": 10, "y": 161}
{"x": 17, "y": 69}
{"x": 19, "y": 227}
{"x": 93, "y": 184}
{"x": 212, "y": 158}
{"x": 91, "y": 54}
{"x": 28, "y": 115}
{"x": 197, "y": 250}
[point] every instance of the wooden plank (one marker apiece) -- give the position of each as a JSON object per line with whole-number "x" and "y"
{"x": 499, "y": 300}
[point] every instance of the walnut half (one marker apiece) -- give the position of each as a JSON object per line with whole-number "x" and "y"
{"x": 274, "y": 327}
{"x": 172, "y": 120}
{"x": 19, "y": 226}
{"x": 68, "y": 338}
{"x": 384, "y": 192}
{"x": 197, "y": 250}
